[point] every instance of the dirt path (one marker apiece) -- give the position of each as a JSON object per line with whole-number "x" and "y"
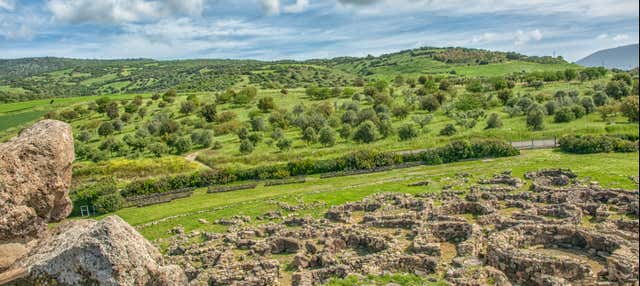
{"x": 191, "y": 157}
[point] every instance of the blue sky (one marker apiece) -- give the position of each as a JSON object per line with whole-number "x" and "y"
{"x": 302, "y": 29}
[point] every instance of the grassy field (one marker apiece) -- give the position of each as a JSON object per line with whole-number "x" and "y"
{"x": 334, "y": 191}
{"x": 14, "y": 116}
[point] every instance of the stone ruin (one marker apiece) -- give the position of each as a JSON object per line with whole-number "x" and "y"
{"x": 559, "y": 231}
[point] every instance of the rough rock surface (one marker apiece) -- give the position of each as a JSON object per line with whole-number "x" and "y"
{"x": 88, "y": 252}
{"x": 35, "y": 173}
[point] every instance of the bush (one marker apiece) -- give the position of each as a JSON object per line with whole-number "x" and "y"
{"x": 407, "y": 131}
{"x": 429, "y": 103}
{"x": 366, "y": 132}
{"x": 246, "y": 146}
{"x": 448, "y": 130}
{"x": 617, "y": 89}
{"x": 106, "y": 129}
{"x": 564, "y": 114}
{"x": 535, "y": 117}
{"x": 551, "y": 107}
{"x": 266, "y": 103}
{"x": 109, "y": 203}
{"x": 364, "y": 159}
{"x": 327, "y": 137}
{"x": 284, "y": 144}
{"x": 309, "y": 135}
{"x": 494, "y": 121}
{"x": 630, "y": 108}
{"x": 208, "y": 112}
{"x": 188, "y": 106}
{"x": 579, "y": 111}
{"x": 595, "y": 144}
{"x": 245, "y": 95}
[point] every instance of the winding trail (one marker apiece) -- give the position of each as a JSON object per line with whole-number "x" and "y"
{"x": 191, "y": 157}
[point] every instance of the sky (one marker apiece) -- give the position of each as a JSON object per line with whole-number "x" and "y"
{"x": 304, "y": 29}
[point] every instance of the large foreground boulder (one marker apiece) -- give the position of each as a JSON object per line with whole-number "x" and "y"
{"x": 89, "y": 252}
{"x": 35, "y": 174}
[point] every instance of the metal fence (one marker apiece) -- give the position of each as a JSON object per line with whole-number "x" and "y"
{"x": 536, "y": 144}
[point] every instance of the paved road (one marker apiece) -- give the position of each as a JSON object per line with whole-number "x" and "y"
{"x": 521, "y": 145}
{"x": 535, "y": 144}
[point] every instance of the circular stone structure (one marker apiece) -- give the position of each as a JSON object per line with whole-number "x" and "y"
{"x": 512, "y": 252}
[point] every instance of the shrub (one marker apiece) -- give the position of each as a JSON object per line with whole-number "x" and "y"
{"x": 429, "y": 103}
{"x": 266, "y": 103}
{"x": 564, "y": 114}
{"x": 617, "y": 89}
{"x": 448, "y": 130}
{"x": 106, "y": 129}
{"x": 587, "y": 103}
{"x": 227, "y": 127}
{"x": 504, "y": 95}
{"x": 366, "y": 132}
{"x": 284, "y": 144}
{"x": 327, "y": 137}
{"x": 551, "y": 107}
{"x": 359, "y": 160}
{"x": 535, "y": 117}
{"x": 246, "y": 146}
{"x": 595, "y": 144}
{"x": 630, "y": 108}
{"x": 158, "y": 149}
{"x": 109, "y": 203}
{"x": 579, "y": 111}
{"x": 208, "y": 112}
{"x": 407, "y": 131}
{"x": 183, "y": 144}
{"x": 84, "y": 136}
{"x": 494, "y": 121}
{"x": 188, "y": 106}
{"x": 245, "y": 95}
{"x": 345, "y": 132}
{"x": 309, "y": 135}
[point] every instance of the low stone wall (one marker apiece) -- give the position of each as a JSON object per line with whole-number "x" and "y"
{"x": 158, "y": 198}
{"x": 367, "y": 171}
{"x": 298, "y": 180}
{"x": 223, "y": 189}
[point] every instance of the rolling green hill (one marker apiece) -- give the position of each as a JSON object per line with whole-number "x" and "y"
{"x": 36, "y": 78}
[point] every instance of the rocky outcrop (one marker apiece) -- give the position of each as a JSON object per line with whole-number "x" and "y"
{"x": 35, "y": 173}
{"x": 88, "y": 252}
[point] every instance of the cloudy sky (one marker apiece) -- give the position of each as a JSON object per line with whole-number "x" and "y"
{"x": 302, "y": 29}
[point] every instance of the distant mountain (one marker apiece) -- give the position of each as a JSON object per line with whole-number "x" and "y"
{"x": 625, "y": 58}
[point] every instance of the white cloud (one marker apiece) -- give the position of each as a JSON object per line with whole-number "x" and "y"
{"x": 271, "y": 7}
{"x": 621, "y": 37}
{"x": 522, "y": 38}
{"x": 584, "y": 8}
{"x": 274, "y": 7}
{"x": 7, "y": 5}
{"x": 297, "y": 7}
{"x": 22, "y": 32}
{"x": 616, "y": 38}
{"x": 485, "y": 37}
{"x": 118, "y": 11}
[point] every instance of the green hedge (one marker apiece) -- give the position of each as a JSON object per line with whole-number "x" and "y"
{"x": 364, "y": 159}
{"x": 596, "y": 144}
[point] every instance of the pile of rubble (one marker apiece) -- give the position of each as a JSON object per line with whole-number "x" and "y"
{"x": 557, "y": 232}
